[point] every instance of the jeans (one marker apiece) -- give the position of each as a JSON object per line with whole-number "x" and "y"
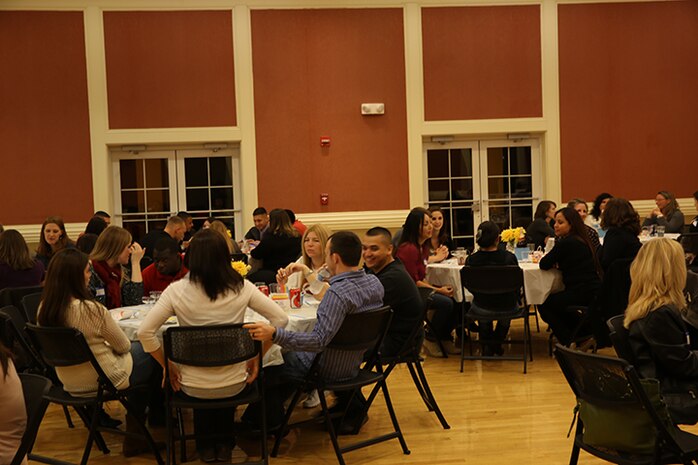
{"x": 146, "y": 372}
{"x": 445, "y": 318}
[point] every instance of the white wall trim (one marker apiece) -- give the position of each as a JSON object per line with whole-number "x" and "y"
{"x": 356, "y": 220}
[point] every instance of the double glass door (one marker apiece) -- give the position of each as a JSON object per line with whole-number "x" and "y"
{"x": 153, "y": 185}
{"x": 476, "y": 181}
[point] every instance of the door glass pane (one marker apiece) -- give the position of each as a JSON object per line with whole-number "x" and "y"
{"x": 132, "y": 202}
{"x": 498, "y": 188}
{"x": 221, "y": 171}
{"x": 461, "y": 189}
{"x": 437, "y": 163}
{"x": 195, "y": 173}
{"x": 461, "y": 163}
{"x": 136, "y": 228}
{"x": 521, "y": 186}
{"x": 197, "y": 200}
{"x": 156, "y": 172}
{"x": 499, "y": 214}
{"x": 438, "y": 190}
{"x": 521, "y": 216}
{"x": 520, "y": 160}
{"x": 463, "y": 222}
{"x": 497, "y": 162}
{"x": 221, "y": 198}
{"x": 158, "y": 200}
{"x": 156, "y": 224}
{"x": 131, "y": 174}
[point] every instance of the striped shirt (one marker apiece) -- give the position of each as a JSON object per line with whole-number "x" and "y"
{"x": 349, "y": 292}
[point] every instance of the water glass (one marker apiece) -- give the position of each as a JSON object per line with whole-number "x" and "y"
{"x": 660, "y": 230}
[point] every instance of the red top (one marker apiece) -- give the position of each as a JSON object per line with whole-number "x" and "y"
{"x": 414, "y": 260}
{"x": 153, "y": 280}
{"x": 300, "y": 227}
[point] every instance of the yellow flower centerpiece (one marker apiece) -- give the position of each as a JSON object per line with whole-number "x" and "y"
{"x": 241, "y": 267}
{"x": 513, "y": 236}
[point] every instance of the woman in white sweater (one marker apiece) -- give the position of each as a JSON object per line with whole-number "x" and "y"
{"x": 212, "y": 293}
{"x": 66, "y": 302}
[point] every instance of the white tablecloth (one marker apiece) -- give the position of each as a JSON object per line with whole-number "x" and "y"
{"x": 538, "y": 284}
{"x": 301, "y": 320}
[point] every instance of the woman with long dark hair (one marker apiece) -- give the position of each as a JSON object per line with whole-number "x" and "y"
{"x": 17, "y": 268}
{"x": 575, "y": 257}
{"x": 666, "y": 213}
{"x": 279, "y": 246}
{"x": 52, "y": 239}
{"x": 439, "y": 243}
{"x": 622, "y": 225}
{"x": 539, "y": 230}
{"x": 413, "y": 253}
{"x": 66, "y": 302}
{"x": 212, "y": 293}
{"x": 594, "y": 218}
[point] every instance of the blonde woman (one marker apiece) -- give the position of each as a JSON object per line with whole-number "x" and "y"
{"x": 110, "y": 282}
{"x": 312, "y": 260}
{"x": 223, "y": 230}
{"x": 658, "y": 335}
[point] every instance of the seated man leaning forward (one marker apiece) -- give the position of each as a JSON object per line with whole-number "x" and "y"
{"x": 167, "y": 266}
{"x": 351, "y": 291}
{"x": 401, "y": 292}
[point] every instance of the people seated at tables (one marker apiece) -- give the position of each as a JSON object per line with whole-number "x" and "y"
{"x": 351, "y": 291}
{"x": 261, "y": 225}
{"x": 666, "y": 214}
{"x": 104, "y": 215}
{"x": 207, "y": 222}
{"x": 17, "y": 268}
{"x": 400, "y": 291}
{"x": 489, "y": 254}
{"x": 212, "y": 294}
{"x": 622, "y": 225}
{"x": 575, "y": 257}
{"x": 580, "y": 206}
{"x": 53, "y": 238}
{"x": 67, "y": 302}
{"x": 189, "y": 225}
{"x": 439, "y": 243}
{"x": 279, "y": 246}
{"x": 167, "y": 267}
{"x": 413, "y": 254}
{"x": 13, "y": 421}
{"x": 540, "y": 229}
{"x": 223, "y": 230}
{"x": 297, "y": 224}
{"x": 594, "y": 219}
{"x": 312, "y": 260}
{"x": 96, "y": 226}
{"x": 658, "y": 335}
{"x": 112, "y": 284}
{"x": 690, "y": 242}
{"x": 175, "y": 229}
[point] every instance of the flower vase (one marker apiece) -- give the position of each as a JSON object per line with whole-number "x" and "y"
{"x": 511, "y": 247}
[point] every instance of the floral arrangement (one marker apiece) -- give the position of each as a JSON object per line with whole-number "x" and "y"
{"x": 512, "y": 236}
{"x": 241, "y": 267}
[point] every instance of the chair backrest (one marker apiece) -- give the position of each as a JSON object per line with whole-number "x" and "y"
{"x": 492, "y": 279}
{"x": 609, "y": 382}
{"x": 34, "y": 388}
{"x": 362, "y": 331}
{"x": 30, "y": 303}
{"x": 14, "y": 295}
{"x": 13, "y": 337}
{"x": 689, "y": 241}
{"x": 210, "y": 346}
{"x": 619, "y": 338}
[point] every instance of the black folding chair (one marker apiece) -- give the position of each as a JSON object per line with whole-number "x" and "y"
{"x": 609, "y": 383}
{"x": 492, "y": 281}
{"x": 14, "y": 295}
{"x": 64, "y": 347}
{"x": 34, "y": 388}
{"x": 211, "y": 346}
{"x": 30, "y": 304}
{"x": 359, "y": 332}
{"x": 409, "y": 355}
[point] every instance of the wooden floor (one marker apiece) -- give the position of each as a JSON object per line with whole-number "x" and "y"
{"x": 497, "y": 415}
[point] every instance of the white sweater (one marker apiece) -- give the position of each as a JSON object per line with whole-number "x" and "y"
{"x": 192, "y": 306}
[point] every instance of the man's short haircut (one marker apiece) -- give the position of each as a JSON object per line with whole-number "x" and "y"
{"x": 347, "y": 245}
{"x": 166, "y": 244}
{"x": 102, "y": 214}
{"x": 381, "y": 231}
{"x": 174, "y": 221}
{"x": 184, "y": 215}
{"x": 259, "y": 211}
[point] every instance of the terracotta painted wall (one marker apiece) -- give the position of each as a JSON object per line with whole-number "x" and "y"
{"x": 44, "y": 123}
{"x": 312, "y": 71}
{"x": 482, "y": 62}
{"x": 628, "y": 98}
{"x": 169, "y": 69}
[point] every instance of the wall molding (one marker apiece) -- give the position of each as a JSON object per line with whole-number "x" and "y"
{"x": 356, "y": 220}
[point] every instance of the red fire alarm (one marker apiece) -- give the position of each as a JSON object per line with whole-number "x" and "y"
{"x": 324, "y": 199}
{"x": 325, "y": 141}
